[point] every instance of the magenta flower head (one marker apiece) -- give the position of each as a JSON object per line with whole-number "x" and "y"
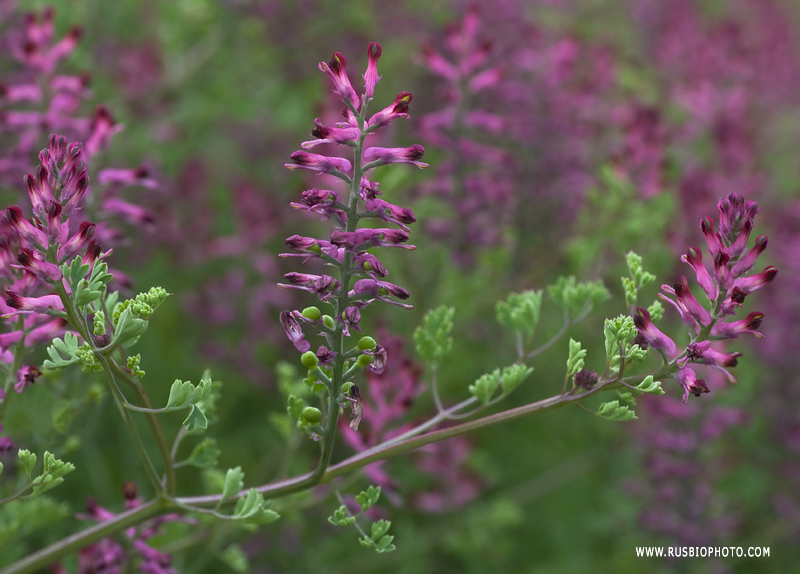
{"x": 726, "y": 289}
{"x": 357, "y": 277}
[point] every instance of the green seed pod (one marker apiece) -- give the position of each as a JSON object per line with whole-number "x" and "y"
{"x": 364, "y": 360}
{"x": 329, "y": 322}
{"x": 312, "y": 415}
{"x": 367, "y": 344}
{"x": 309, "y": 360}
{"x": 312, "y": 313}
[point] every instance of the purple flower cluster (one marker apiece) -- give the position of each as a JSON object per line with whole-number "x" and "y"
{"x": 524, "y": 109}
{"x": 347, "y": 247}
{"x": 36, "y": 100}
{"x": 112, "y": 557}
{"x": 31, "y": 251}
{"x": 725, "y": 288}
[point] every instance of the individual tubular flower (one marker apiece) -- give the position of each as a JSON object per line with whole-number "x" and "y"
{"x": 384, "y": 156}
{"x": 651, "y": 334}
{"x": 691, "y": 384}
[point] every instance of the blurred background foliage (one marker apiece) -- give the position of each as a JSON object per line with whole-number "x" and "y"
{"x": 215, "y": 96}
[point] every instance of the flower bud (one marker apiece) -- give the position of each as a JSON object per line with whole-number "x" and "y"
{"x": 364, "y": 361}
{"x": 329, "y": 322}
{"x": 309, "y": 360}
{"x": 312, "y": 313}
{"x": 312, "y": 415}
{"x": 367, "y": 344}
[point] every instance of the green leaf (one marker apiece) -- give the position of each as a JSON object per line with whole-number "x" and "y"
{"x": 432, "y": 339}
{"x": 512, "y": 376}
{"x": 520, "y": 311}
{"x": 1, "y": 468}
{"x": 27, "y": 460}
{"x": 648, "y": 385}
{"x": 340, "y": 517}
{"x": 236, "y": 559}
{"x": 366, "y": 499}
{"x": 58, "y": 349}
{"x": 251, "y": 509}
{"x": 127, "y": 326}
{"x": 196, "y": 420}
{"x": 380, "y": 528}
{"x": 52, "y": 474}
{"x": 182, "y": 394}
{"x": 204, "y": 454}
{"x": 613, "y": 411}
{"x": 574, "y": 297}
{"x": 575, "y": 360}
{"x": 234, "y": 482}
{"x": 485, "y": 386}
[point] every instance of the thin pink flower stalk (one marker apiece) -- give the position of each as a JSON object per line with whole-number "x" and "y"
{"x": 357, "y": 279}
{"x": 725, "y": 289}
{"x": 346, "y": 248}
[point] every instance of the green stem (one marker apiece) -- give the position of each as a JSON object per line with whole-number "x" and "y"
{"x": 283, "y": 488}
{"x": 153, "y": 423}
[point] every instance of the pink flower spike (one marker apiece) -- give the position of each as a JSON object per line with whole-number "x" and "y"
{"x": 695, "y": 258}
{"x": 294, "y": 331}
{"x": 738, "y": 246}
{"x": 712, "y": 237}
{"x": 42, "y": 269}
{"x": 32, "y": 304}
{"x": 346, "y": 136}
{"x": 336, "y": 72}
{"x": 747, "y": 262}
{"x": 21, "y": 93}
{"x": 321, "y": 164}
{"x": 371, "y": 78}
{"x": 26, "y": 377}
{"x": 691, "y": 384}
{"x": 438, "y": 64}
{"x": 722, "y": 272}
{"x": 373, "y": 289}
{"x": 652, "y": 335}
{"x": 122, "y": 176}
{"x": 77, "y": 241}
{"x": 27, "y": 231}
{"x": 399, "y": 109}
{"x": 133, "y": 214}
{"x": 749, "y": 284}
{"x": 389, "y": 155}
{"x": 691, "y": 311}
{"x": 39, "y": 191}
{"x": 735, "y": 329}
{"x": 102, "y": 130}
{"x": 703, "y": 353}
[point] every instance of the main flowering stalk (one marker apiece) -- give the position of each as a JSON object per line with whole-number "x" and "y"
{"x": 360, "y": 282}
